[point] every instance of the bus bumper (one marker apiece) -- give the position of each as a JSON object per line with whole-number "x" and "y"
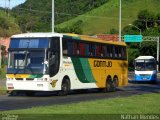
{"x": 30, "y": 86}
{"x": 146, "y": 77}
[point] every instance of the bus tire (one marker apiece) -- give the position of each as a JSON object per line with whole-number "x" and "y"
{"x": 115, "y": 83}
{"x": 109, "y": 85}
{"x": 13, "y": 93}
{"x": 65, "y": 87}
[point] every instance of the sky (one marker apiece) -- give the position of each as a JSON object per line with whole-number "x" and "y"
{"x": 13, "y": 3}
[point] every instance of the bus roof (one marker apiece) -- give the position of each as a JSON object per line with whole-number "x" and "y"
{"x": 144, "y": 57}
{"x": 74, "y": 36}
{"x": 33, "y": 35}
{"x": 92, "y": 39}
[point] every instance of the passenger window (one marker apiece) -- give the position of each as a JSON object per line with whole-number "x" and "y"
{"x": 82, "y": 49}
{"x": 102, "y": 51}
{"x": 120, "y": 52}
{"x": 87, "y": 50}
{"x": 110, "y": 50}
{"x": 124, "y": 53}
{"x": 115, "y": 51}
{"x": 65, "y": 50}
{"x": 76, "y": 48}
{"x": 70, "y": 48}
{"x": 98, "y": 51}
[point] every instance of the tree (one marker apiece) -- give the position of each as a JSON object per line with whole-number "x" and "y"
{"x": 158, "y": 19}
{"x": 64, "y": 11}
{"x": 148, "y": 48}
{"x": 113, "y": 31}
{"x": 75, "y": 28}
{"x": 149, "y": 23}
{"x": 129, "y": 30}
{"x": 3, "y": 54}
{"x": 8, "y": 25}
{"x": 147, "y": 18}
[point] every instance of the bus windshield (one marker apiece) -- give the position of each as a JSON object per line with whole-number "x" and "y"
{"x": 145, "y": 65}
{"x": 26, "y": 62}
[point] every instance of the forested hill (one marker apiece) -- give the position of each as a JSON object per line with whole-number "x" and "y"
{"x": 8, "y": 25}
{"x": 106, "y": 17}
{"x": 35, "y": 15}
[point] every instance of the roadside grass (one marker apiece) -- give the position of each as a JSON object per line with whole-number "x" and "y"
{"x": 2, "y": 78}
{"x": 3, "y": 72}
{"x": 138, "y": 104}
{"x": 106, "y": 17}
{"x": 3, "y": 90}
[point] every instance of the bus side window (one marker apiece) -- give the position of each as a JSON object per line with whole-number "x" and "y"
{"x": 110, "y": 51}
{"x": 65, "y": 50}
{"x": 124, "y": 53}
{"x": 55, "y": 43}
{"x": 82, "y": 49}
{"x": 98, "y": 51}
{"x": 115, "y": 51}
{"x": 87, "y": 50}
{"x": 70, "y": 48}
{"x": 107, "y": 52}
{"x": 92, "y": 50}
{"x": 54, "y": 57}
{"x": 102, "y": 51}
{"x": 120, "y": 52}
{"x": 76, "y": 48}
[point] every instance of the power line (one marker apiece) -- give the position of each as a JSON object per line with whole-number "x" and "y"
{"x": 68, "y": 14}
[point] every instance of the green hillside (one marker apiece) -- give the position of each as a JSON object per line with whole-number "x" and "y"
{"x": 106, "y": 17}
{"x": 35, "y": 15}
{"x": 8, "y": 25}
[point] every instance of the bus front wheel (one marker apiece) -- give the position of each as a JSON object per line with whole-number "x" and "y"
{"x": 64, "y": 88}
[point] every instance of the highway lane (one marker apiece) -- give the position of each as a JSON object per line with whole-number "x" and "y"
{"x": 42, "y": 98}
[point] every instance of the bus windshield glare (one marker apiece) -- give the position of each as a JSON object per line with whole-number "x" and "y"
{"x": 145, "y": 65}
{"x": 26, "y": 62}
{"x": 23, "y": 59}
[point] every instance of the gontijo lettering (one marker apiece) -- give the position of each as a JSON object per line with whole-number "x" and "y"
{"x": 98, "y": 63}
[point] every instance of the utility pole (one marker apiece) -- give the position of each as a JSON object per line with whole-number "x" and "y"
{"x": 0, "y": 54}
{"x": 158, "y": 54}
{"x": 120, "y": 19}
{"x": 5, "y": 7}
{"x": 8, "y": 7}
{"x": 53, "y": 16}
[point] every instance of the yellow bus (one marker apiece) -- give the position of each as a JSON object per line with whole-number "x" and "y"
{"x": 64, "y": 62}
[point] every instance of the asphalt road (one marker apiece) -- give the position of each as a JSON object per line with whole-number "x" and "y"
{"x": 42, "y": 99}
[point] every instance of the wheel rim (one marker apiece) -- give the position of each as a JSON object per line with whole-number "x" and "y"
{"x": 108, "y": 85}
{"x": 65, "y": 87}
{"x": 115, "y": 82}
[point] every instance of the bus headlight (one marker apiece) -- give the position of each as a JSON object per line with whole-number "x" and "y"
{"x": 10, "y": 86}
